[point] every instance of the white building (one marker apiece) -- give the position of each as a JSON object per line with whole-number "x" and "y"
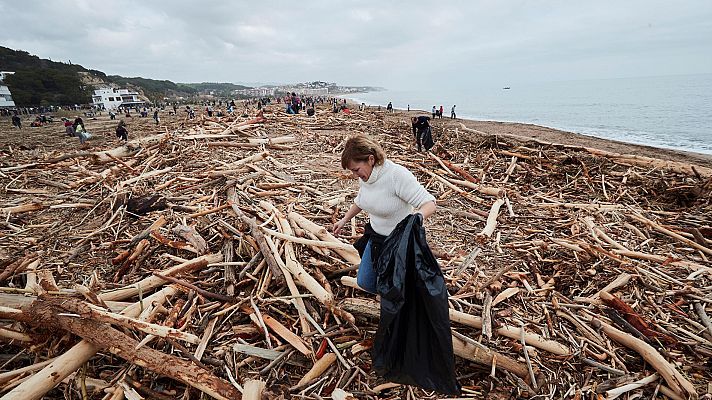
{"x": 112, "y": 98}
{"x": 5, "y": 95}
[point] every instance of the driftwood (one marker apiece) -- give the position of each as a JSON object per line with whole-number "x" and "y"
{"x": 678, "y": 383}
{"x": 634, "y": 319}
{"x": 47, "y": 312}
{"x": 264, "y": 304}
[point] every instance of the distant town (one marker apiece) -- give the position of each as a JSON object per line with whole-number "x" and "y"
{"x": 316, "y": 88}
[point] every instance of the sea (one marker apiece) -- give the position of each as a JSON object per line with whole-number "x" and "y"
{"x": 673, "y": 112}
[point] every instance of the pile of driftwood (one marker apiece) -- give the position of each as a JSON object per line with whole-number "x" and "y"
{"x": 199, "y": 260}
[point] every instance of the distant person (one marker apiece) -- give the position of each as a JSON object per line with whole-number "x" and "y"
{"x": 434, "y": 112}
{"x": 78, "y": 125}
{"x": 17, "y": 121}
{"x": 296, "y": 103}
{"x": 408, "y": 107}
{"x": 452, "y": 113}
{"x": 421, "y": 131}
{"x": 80, "y": 131}
{"x": 112, "y": 115}
{"x": 121, "y": 132}
{"x": 155, "y": 117}
{"x": 68, "y": 127}
{"x": 441, "y": 111}
{"x": 389, "y": 107}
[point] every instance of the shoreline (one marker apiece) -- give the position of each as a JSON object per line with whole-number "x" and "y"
{"x": 522, "y": 131}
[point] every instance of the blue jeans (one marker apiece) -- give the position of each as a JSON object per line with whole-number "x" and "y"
{"x": 366, "y": 276}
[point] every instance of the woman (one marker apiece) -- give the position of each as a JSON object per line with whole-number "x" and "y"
{"x": 388, "y": 192}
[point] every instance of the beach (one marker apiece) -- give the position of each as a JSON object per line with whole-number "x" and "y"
{"x": 524, "y": 132}
{"x": 546, "y": 241}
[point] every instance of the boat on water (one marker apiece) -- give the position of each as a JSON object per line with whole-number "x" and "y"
{"x": 506, "y": 88}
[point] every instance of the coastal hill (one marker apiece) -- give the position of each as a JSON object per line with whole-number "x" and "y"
{"x": 39, "y": 81}
{"x": 42, "y": 82}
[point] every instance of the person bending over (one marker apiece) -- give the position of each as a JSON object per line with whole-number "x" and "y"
{"x": 420, "y": 126}
{"x": 388, "y": 192}
{"x": 121, "y": 132}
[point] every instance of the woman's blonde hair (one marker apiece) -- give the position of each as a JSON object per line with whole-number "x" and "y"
{"x": 359, "y": 148}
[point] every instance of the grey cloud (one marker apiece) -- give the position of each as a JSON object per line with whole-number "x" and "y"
{"x": 366, "y": 42}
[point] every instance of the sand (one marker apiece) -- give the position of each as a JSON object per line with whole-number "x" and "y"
{"x": 51, "y": 136}
{"x": 519, "y": 130}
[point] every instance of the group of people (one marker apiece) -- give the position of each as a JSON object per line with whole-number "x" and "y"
{"x": 438, "y": 113}
{"x": 76, "y": 128}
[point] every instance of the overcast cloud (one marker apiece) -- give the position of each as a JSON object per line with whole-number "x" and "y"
{"x": 395, "y": 45}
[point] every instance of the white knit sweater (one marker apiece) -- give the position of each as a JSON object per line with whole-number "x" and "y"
{"x": 390, "y": 194}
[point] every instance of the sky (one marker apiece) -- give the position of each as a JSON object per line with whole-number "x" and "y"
{"x": 396, "y": 45}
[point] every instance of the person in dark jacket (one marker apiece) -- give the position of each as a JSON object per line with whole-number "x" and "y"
{"x": 121, "y": 132}
{"x": 387, "y": 191}
{"x": 421, "y": 126}
{"x": 16, "y": 121}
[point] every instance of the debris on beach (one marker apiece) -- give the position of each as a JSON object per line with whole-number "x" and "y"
{"x": 198, "y": 258}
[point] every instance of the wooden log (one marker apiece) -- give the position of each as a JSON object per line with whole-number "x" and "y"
{"x": 466, "y": 175}
{"x": 313, "y": 243}
{"x": 157, "y": 224}
{"x": 491, "y": 224}
{"x": 462, "y": 348}
{"x": 663, "y": 260}
{"x": 21, "y": 208}
{"x": 234, "y": 167}
{"x": 10, "y": 375}
{"x": 252, "y": 390}
{"x": 141, "y": 177}
{"x": 319, "y": 367}
{"x": 634, "y": 318}
{"x": 258, "y": 236}
{"x": 372, "y": 309}
{"x": 12, "y": 335}
{"x": 53, "y": 374}
{"x": 274, "y": 140}
{"x": 488, "y": 190}
{"x": 620, "y": 281}
{"x": 235, "y": 126}
{"x": 130, "y": 148}
{"x": 48, "y": 312}
{"x": 350, "y": 255}
{"x": 192, "y": 236}
{"x": 17, "y": 267}
{"x": 672, "y": 234}
{"x": 482, "y": 355}
{"x": 152, "y": 282}
{"x": 90, "y": 311}
{"x": 677, "y": 382}
{"x": 296, "y": 341}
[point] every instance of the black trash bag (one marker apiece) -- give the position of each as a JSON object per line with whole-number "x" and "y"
{"x": 427, "y": 140}
{"x": 413, "y": 344}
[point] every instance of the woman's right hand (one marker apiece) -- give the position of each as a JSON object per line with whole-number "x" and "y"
{"x": 338, "y": 227}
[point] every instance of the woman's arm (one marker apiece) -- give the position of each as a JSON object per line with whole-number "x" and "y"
{"x": 427, "y": 209}
{"x": 353, "y": 211}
